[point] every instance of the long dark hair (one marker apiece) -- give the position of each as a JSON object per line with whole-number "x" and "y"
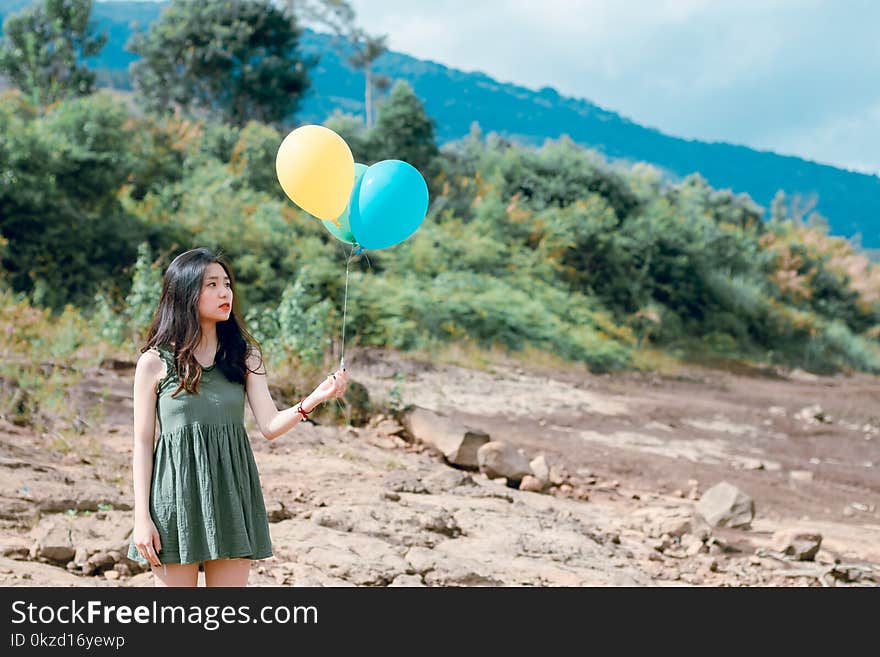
{"x": 176, "y": 326}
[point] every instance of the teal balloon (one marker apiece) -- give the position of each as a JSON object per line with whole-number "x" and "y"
{"x": 392, "y": 201}
{"x": 343, "y": 232}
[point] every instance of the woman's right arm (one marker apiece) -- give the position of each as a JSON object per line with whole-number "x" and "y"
{"x": 147, "y": 373}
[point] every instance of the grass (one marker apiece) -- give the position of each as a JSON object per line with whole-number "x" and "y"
{"x": 394, "y": 464}
{"x": 466, "y": 353}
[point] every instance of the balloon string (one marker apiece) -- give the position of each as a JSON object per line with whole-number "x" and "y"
{"x": 355, "y": 250}
{"x": 345, "y": 309}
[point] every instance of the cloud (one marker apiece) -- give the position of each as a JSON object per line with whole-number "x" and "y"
{"x": 798, "y": 75}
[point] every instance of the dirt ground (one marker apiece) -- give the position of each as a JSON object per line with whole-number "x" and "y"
{"x": 660, "y": 433}
{"x": 805, "y": 448}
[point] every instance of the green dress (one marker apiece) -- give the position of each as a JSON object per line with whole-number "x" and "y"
{"x": 205, "y": 494}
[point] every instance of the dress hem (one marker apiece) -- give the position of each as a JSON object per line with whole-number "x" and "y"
{"x": 174, "y": 560}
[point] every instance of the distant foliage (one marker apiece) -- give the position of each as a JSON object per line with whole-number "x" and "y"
{"x": 235, "y": 61}
{"x": 59, "y": 210}
{"x": 43, "y": 48}
{"x": 550, "y": 249}
{"x": 130, "y": 323}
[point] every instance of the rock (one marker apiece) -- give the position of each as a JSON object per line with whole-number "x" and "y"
{"x": 390, "y": 427}
{"x": 581, "y": 493}
{"x": 801, "y": 475}
{"x": 53, "y": 540}
{"x": 826, "y": 558}
{"x": 693, "y": 545}
{"x": 277, "y": 512}
{"x": 674, "y": 522}
{"x": 99, "y": 561}
{"x": 123, "y": 569}
{"x": 746, "y": 463}
{"x": 407, "y": 581}
{"x": 500, "y": 459}
{"x": 725, "y": 505}
{"x": 801, "y": 545}
{"x": 558, "y": 475}
{"x": 457, "y": 442}
{"x": 812, "y": 415}
{"x": 531, "y": 484}
{"x": 447, "y": 479}
{"x": 540, "y": 469}
{"x": 111, "y": 574}
{"x": 15, "y": 547}
{"x": 401, "y": 481}
{"x": 81, "y": 556}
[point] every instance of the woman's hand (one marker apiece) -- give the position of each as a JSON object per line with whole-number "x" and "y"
{"x": 331, "y": 387}
{"x": 146, "y": 540}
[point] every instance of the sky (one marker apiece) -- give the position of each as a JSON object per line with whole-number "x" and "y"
{"x": 797, "y": 77}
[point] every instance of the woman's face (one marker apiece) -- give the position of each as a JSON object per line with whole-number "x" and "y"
{"x": 215, "y": 302}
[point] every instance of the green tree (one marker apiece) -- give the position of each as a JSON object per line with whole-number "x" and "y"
{"x": 404, "y": 131}
{"x": 236, "y": 59}
{"x": 43, "y": 46}
{"x": 59, "y": 178}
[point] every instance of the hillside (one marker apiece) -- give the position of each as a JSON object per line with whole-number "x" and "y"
{"x": 455, "y": 99}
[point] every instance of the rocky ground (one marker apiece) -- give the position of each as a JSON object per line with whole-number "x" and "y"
{"x": 614, "y": 482}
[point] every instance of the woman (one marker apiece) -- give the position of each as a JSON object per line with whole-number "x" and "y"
{"x": 197, "y": 498}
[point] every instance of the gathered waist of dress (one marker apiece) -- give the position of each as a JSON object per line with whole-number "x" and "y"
{"x": 209, "y": 428}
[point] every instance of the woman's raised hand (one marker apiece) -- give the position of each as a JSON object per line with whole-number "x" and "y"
{"x": 333, "y": 386}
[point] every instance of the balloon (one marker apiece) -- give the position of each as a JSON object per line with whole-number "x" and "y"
{"x": 316, "y": 170}
{"x": 341, "y": 228}
{"x": 392, "y": 200}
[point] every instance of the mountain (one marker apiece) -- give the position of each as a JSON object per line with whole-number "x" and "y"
{"x": 849, "y": 200}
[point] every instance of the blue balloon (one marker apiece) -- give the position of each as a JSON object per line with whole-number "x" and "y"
{"x": 392, "y": 200}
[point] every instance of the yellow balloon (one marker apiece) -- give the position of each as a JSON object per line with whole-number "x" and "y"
{"x": 316, "y": 170}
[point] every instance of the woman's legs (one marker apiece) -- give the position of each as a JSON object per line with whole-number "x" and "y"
{"x": 227, "y": 572}
{"x": 176, "y": 574}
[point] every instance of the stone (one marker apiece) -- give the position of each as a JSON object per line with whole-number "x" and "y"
{"x": 100, "y": 561}
{"x": 457, "y": 442}
{"x": 407, "y": 581}
{"x": 531, "y": 484}
{"x": 123, "y": 569}
{"x": 15, "y": 547}
{"x": 725, "y": 505}
{"x": 390, "y": 428}
{"x": 276, "y": 511}
{"x": 446, "y": 479}
{"x": 801, "y": 475}
{"x": 497, "y": 458}
{"x": 401, "y": 481}
{"x": 59, "y": 554}
{"x": 558, "y": 475}
{"x": 111, "y": 574}
{"x": 81, "y": 556}
{"x": 801, "y": 545}
{"x": 540, "y": 469}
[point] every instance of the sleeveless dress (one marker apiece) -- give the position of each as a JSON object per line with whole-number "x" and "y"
{"x": 205, "y": 494}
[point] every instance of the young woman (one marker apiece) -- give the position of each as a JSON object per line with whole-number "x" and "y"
{"x": 197, "y": 498}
